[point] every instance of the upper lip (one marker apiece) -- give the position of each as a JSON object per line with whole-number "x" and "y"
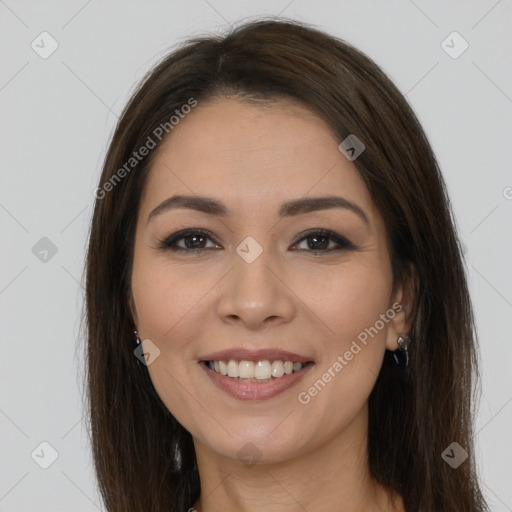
{"x": 242, "y": 354}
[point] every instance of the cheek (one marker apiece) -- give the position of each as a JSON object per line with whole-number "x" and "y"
{"x": 361, "y": 302}
{"x": 165, "y": 305}
{"x": 353, "y": 308}
{"x": 170, "y": 302}
{"x": 164, "y": 297}
{"x": 347, "y": 302}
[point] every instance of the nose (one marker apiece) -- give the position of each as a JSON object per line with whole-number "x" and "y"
{"x": 256, "y": 294}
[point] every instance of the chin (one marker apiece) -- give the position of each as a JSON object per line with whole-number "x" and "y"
{"x": 263, "y": 443}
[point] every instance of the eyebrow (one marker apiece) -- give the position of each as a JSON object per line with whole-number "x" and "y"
{"x": 214, "y": 207}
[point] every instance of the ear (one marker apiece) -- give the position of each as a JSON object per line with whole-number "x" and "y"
{"x": 402, "y": 303}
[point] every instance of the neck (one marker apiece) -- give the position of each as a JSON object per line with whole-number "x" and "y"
{"x": 330, "y": 477}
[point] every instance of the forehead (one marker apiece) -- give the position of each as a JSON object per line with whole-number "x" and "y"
{"x": 253, "y": 156}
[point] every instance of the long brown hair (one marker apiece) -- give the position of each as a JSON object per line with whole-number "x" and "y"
{"x": 144, "y": 459}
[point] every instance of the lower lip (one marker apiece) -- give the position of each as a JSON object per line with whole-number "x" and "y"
{"x": 254, "y": 390}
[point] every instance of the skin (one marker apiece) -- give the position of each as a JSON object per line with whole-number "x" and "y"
{"x": 253, "y": 158}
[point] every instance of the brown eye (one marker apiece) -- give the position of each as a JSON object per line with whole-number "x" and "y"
{"x": 193, "y": 240}
{"x": 196, "y": 240}
{"x": 319, "y": 241}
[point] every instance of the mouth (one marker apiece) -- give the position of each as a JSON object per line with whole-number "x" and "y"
{"x": 255, "y": 371}
{"x": 251, "y": 376}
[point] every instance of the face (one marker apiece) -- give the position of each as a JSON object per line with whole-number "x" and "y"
{"x": 311, "y": 280}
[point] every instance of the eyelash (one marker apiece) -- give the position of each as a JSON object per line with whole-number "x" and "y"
{"x": 169, "y": 243}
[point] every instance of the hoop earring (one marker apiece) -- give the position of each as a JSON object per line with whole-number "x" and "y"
{"x": 401, "y": 354}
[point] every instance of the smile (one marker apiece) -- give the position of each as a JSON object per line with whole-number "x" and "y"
{"x": 262, "y": 371}
{"x": 254, "y": 380}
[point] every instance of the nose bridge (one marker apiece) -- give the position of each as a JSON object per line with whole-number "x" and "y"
{"x": 254, "y": 291}
{"x": 253, "y": 276}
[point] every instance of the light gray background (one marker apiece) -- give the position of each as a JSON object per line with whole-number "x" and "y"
{"x": 58, "y": 114}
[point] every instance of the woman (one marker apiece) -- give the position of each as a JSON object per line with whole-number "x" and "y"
{"x": 277, "y": 308}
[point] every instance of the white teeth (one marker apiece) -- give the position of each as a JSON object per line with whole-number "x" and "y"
{"x": 262, "y": 370}
{"x": 246, "y": 370}
{"x": 249, "y": 370}
{"x": 277, "y": 369}
{"x": 233, "y": 368}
